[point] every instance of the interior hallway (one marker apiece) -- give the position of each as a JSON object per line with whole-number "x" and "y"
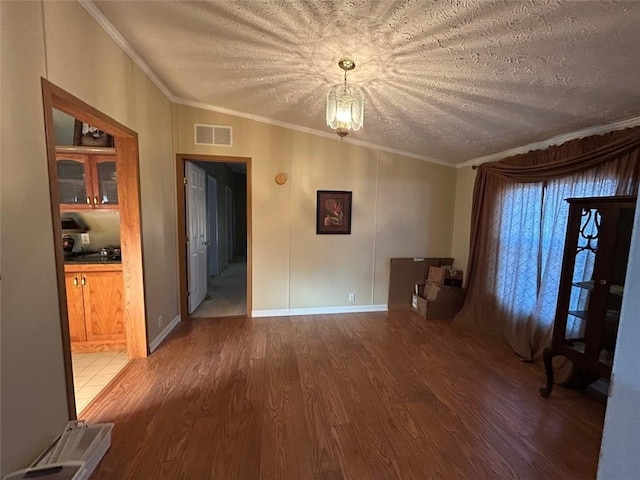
{"x": 226, "y": 293}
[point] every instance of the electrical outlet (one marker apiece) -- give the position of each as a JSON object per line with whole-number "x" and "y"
{"x": 160, "y": 321}
{"x": 84, "y": 238}
{"x": 352, "y": 297}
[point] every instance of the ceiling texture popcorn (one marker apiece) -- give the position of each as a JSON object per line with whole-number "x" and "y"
{"x": 443, "y": 81}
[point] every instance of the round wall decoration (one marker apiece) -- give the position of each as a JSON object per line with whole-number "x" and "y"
{"x": 281, "y": 178}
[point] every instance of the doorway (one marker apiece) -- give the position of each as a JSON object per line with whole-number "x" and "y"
{"x": 212, "y": 209}
{"x": 227, "y": 262}
{"x": 228, "y": 207}
{"x": 89, "y": 207}
{"x": 125, "y": 150}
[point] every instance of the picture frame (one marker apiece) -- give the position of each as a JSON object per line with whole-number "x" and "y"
{"x": 333, "y": 212}
{"x": 84, "y": 135}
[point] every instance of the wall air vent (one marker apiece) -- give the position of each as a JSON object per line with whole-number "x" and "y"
{"x": 221, "y": 135}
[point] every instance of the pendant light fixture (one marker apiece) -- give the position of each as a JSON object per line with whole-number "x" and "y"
{"x": 345, "y": 104}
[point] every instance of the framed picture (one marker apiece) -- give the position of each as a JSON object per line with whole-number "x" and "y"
{"x": 333, "y": 214}
{"x": 87, "y": 136}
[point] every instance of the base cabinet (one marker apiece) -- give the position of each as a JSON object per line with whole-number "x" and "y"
{"x": 95, "y": 309}
{"x": 75, "y": 307}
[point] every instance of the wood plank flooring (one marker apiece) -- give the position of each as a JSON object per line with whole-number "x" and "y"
{"x": 353, "y": 396}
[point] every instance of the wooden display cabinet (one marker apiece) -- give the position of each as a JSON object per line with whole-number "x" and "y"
{"x": 87, "y": 181}
{"x": 591, "y": 288}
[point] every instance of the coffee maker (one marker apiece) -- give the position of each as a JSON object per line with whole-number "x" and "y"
{"x": 72, "y": 229}
{"x": 71, "y": 243}
{"x": 68, "y": 243}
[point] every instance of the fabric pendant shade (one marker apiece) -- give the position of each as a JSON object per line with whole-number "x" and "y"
{"x": 345, "y": 104}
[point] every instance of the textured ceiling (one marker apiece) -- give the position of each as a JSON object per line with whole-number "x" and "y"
{"x": 450, "y": 81}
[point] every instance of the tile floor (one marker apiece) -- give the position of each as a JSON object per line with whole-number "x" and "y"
{"x": 92, "y": 372}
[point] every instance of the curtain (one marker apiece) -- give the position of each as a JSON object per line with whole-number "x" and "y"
{"x": 519, "y": 220}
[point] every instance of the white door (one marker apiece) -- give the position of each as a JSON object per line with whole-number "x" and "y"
{"x": 212, "y": 201}
{"x": 197, "y": 232}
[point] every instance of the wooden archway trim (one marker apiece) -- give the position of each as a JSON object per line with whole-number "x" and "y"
{"x": 181, "y": 158}
{"x": 126, "y": 146}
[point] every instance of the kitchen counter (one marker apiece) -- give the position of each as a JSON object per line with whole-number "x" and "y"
{"x": 92, "y": 262}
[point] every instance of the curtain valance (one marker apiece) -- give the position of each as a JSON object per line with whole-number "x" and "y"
{"x": 565, "y": 159}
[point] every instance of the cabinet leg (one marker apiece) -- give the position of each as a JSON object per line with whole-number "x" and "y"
{"x": 547, "y": 356}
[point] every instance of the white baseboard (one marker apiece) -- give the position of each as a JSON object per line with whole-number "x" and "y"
{"x": 318, "y": 311}
{"x": 163, "y": 334}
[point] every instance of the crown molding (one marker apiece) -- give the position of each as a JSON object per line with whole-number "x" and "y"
{"x": 108, "y": 27}
{"x": 312, "y": 131}
{"x": 557, "y": 140}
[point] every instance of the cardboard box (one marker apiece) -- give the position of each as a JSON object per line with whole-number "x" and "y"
{"x": 437, "y": 301}
{"x": 419, "y": 305}
{"x": 404, "y": 274}
{"x": 445, "y": 276}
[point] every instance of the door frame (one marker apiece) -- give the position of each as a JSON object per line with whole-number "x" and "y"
{"x": 127, "y": 164}
{"x": 181, "y": 158}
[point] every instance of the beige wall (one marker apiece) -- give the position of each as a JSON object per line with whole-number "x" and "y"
{"x": 104, "y": 228}
{"x": 465, "y": 178}
{"x": 324, "y": 269}
{"x": 84, "y": 61}
{"x": 32, "y": 396}
{"x": 80, "y": 58}
{"x": 401, "y": 207}
{"x": 414, "y": 213}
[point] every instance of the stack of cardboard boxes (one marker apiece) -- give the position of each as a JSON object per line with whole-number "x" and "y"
{"x": 441, "y": 295}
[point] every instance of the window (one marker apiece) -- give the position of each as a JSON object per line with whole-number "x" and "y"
{"x": 530, "y": 237}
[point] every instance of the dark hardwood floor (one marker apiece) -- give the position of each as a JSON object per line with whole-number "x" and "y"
{"x": 354, "y": 396}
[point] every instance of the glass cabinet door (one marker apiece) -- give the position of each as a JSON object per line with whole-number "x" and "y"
{"x": 615, "y": 290}
{"x": 582, "y": 283}
{"x": 106, "y": 187}
{"x": 73, "y": 179}
{"x": 597, "y": 286}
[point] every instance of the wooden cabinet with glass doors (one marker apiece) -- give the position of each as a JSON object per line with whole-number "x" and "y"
{"x": 87, "y": 181}
{"x": 591, "y": 289}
